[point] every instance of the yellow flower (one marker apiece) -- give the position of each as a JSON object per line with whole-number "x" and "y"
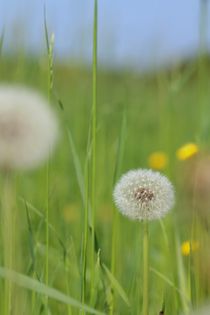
{"x": 187, "y": 151}
{"x": 185, "y": 248}
{"x": 189, "y": 247}
{"x": 158, "y": 160}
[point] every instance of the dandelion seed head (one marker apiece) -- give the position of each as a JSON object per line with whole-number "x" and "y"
{"x": 28, "y": 128}
{"x": 143, "y": 195}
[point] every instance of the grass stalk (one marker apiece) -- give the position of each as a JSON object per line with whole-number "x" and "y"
{"x": 145, "y": 269}
{"x": 93, "y": 138}
{"x": 182, "y": 279}
{"x": 47, "y": 231}
{"x": 50, "y": 47}
{"x": 14, "y": 300}
{"x": 85, "y": 238}
{"x": 115, "y": 226}
{"x": 68, "y": 292}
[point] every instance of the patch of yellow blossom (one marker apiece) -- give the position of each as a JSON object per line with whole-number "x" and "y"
{"x": 187, "y": 151}
{"x": 188, "y": 247}
{"x": 158, "y": 160}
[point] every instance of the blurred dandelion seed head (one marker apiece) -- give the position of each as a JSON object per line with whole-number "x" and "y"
{"x": 158, "y": 160}
{"x": 187, "y": 151}
{"x": 143, "y": 195}
{"x": 28, "y": 128}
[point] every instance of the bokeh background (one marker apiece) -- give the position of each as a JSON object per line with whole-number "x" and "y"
{"x": 152, "y": 101}
{"x": 142, "y": 34}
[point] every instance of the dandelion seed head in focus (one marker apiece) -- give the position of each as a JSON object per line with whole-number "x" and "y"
{"x": 28, "y": 128}
{"x": 143, "y": 195}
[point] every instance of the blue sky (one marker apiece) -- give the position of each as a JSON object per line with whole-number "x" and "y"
{"x": 134, "y": 32}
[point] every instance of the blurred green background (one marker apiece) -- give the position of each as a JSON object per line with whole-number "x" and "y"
{"x": 137, "y": 114}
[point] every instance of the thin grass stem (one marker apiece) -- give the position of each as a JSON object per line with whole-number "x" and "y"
{"x": 115, "y": 226}
{"x": 85, "y": 238}
{"x": 47, "y": 231}
{"x": 7, "y": 231}
{"x": 50, "y": 47}
{"x": 93, "y": 138}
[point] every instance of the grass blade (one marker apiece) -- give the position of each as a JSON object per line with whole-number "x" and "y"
{"x": 169, "y": 282}
{"x": 116, "y": 285}
{"x": 77, "y": 165}
{"x": 39, "y": 287}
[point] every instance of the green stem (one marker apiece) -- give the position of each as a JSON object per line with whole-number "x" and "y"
{"x": 68, "y": 290}
{"x": 47, "y": 231}
{"x": 115, "y": 226}
{"x": 146, "y": 269}
{"x": 94, "y": 106}
{"x": 50, "y": 47}
{"x": 115, "y": 231}
{"x": 33, "y": 297}
{"x": 85, "y": 239}
{"x": 8, "y": 237}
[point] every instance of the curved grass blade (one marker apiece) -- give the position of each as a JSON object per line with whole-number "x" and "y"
{"x": 41, "y": 215}
{"x": 116, "y": 285}
{"x": 39, "y": 287}
{"x": 169, "y": 282}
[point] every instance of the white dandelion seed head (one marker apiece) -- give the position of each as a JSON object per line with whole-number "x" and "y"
{"x": 28, "y": 128}
{"x": 143, "y": 195}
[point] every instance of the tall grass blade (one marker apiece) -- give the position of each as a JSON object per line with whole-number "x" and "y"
{"x": 39, "y": 287}
{"x": 77, "y": 166}
{"x": 116, "y": 285}
{"x": 93, "y": 141}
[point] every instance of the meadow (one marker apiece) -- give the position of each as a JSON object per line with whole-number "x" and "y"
{"x": 72, "y": 237}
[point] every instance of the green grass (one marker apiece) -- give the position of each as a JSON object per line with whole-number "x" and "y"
{"x": 154, "y": 109}
{"x": 81, "y": 251}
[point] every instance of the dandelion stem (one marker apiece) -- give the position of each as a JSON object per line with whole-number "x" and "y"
{"x": 47, "y": 230}
{"x": 7, "y": 230}
{"x": 145, "y": 269}
{"x": 115, "y": 231}
{"x": 11, "y": 243}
